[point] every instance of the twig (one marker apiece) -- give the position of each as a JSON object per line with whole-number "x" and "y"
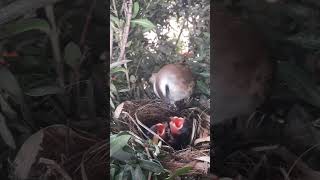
{"x": 83, "y": 171}
{"x": 67, "y": 138}
{"x": 54, "y": 38}
{"x": 125, "y": 34}
{"x": 115, "y": 8}
{"x": 55, "y": 166}
{"x": 184, "y": 22}
{"x": 297, "y": 160}
{"x": 133, "y": 120}
{"x": 138, "y": 67}
{"x": 86, "y": 26}
{"x": 111, "y": 43}
{"x": 150, "y": 175}
{"x": 145, "y": 127}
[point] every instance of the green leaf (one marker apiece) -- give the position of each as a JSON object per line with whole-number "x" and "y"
{"x": 145, "y": 23}
{"x": 115, "y": 20}
{"x": 30, "y": 61}
{"x": 179, "y": 172}
{"x": 72, "y": 54}
{"x": 112, "y": 104}
{"x": 205, "y": 74}
{"x": 120, "y": 176}
{"x": 119, "y": 63}
{"x": 5, "y": 133}
{"x": 138, "y": 174}
{"x": 44, "y": 91}
{"x": 203, "y": 87}
{"x": 118, "y": 69}
{"x": 113, "y": 137}
{"x": 23, "y": 26}
{"x": 112, "y": 172}
{"x": 118, "y": 143}
{"x": 135, "y": 9}
{"x": 6, "y": 108}
{"x": 113, "y": 88}
{"x": 129, "y": 43}
{"x": 111, "y": 95}
{"x": 9, "y": 83}
{"x": 207, "y": 35}
{"x": 152, "y": 166}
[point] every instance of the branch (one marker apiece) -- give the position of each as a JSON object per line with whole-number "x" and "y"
{"x": 125, "y": 34}
{"x": 128, "y": 10}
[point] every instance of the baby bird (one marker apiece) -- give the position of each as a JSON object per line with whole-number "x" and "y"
{"x": 161, "y": 130}
{"x": 180, "y": 131}
{"x": 175, "y": 134}
{"x": 173, "y": 82}
{"x": 177, "y": 126}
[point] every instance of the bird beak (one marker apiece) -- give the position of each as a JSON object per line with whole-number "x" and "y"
{"x": 176, "y": 124}
{"x": 160, "y": 129}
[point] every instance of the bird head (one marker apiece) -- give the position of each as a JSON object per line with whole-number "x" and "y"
{"x": 159, "y": 129}
{"x": 176, "y": 125}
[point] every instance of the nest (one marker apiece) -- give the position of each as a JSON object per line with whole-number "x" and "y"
{"x": 137, "y": 116}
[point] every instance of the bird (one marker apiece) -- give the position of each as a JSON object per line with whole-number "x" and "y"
{"x": 173, "y": 82}
{"x": 242, "y": 71}
{"x": 180, "y": 131}
{"x": 161, "y": 130}
{"x": 177, "y": 126}
{"x": 175, "y": 131}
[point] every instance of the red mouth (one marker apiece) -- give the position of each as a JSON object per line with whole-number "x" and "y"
{"x": 176, "y": 124}
{"x": 160, "y": 129}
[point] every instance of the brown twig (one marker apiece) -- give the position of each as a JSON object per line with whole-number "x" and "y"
{"x": 86, "y": 26}
{"x": 179, "y": 36}
{"x": 300, "y": 157}
{"x": 55, "y": 166}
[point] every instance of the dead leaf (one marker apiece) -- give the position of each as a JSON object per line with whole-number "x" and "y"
{"x": 201, "y": 140}
{"x": 118, "y": 110}
{"x": 203, "y": 158}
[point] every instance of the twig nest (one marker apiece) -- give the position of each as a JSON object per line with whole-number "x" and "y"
{"x": 134, "y": 116}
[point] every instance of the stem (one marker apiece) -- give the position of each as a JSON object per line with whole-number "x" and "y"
{"x": 111, "y": 43}
{"x": 86, "y": 26}
{"x": 54, "y": 38}
{"x": 128, "y": 12}
{"x": 184, "y": 22}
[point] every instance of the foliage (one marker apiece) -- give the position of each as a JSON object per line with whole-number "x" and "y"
{"x": 148, "y": 55}
{"x": 150, "y": 43}
{"x": 131, "y": 158}
{"x": 48, "y": 77}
